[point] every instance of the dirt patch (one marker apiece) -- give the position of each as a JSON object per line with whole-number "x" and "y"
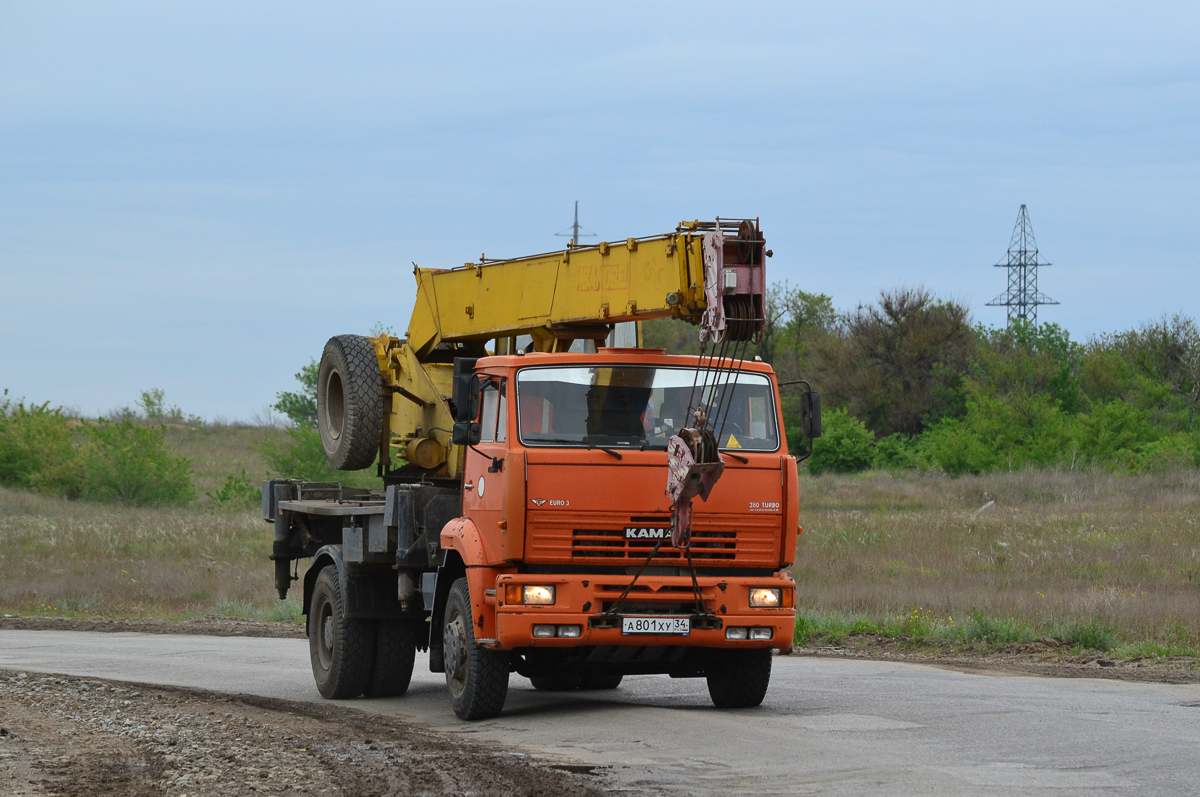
{"x": 1046, "y": 657}
{"x": 212, "y": 625}
{"x": 84, "y": 736}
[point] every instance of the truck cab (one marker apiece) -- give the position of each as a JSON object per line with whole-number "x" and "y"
{"x": 564, "y": 503}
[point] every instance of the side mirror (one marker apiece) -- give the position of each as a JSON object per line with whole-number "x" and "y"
{"x": 463, "y": 394}
{"x": 810, "y": 414}
{"x": 466, "y": 433}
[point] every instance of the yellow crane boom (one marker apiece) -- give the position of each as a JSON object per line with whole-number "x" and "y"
{"x": 709, "y": 273}
{"x": 579, "y": 293}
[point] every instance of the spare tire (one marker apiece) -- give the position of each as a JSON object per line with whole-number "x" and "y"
{"x": 349, "y": 402}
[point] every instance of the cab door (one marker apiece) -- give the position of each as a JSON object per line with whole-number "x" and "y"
{"x": 483, "y": 467}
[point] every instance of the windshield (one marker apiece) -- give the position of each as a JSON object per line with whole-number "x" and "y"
{"x": 640, "y": 406}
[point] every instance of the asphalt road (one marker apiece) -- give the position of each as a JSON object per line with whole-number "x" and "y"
{"x": 827, "y": 726}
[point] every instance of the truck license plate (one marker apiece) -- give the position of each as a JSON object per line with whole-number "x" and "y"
{"x": 656, "y": 625}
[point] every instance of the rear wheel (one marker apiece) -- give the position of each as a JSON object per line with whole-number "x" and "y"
{"x": 558, "y": 682}
{"x": 342, "y": 649}
{"x": 476, "y": 677}
{"x": 739, "y": 678}
{"x": 395, "y": 652}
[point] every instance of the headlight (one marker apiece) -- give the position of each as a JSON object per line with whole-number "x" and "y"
{"x": 537, "y": 595}
{"x": 762, "y": 597}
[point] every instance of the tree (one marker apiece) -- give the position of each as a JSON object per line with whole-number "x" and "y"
{"x": 793, "y": 319}
{"x": 1024, "y": 362}
{"x": 1167, "y": 353}
{"x": 301, "y": 406}
{"x": 897, "y": 365}
{"x": 301, "y": 455}
{"x": 677, "y": 337}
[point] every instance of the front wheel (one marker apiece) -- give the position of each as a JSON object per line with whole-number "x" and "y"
{"x": 739, "y": 678}
{"x": 477, "y": 677}
{"x": 342, "y": 649}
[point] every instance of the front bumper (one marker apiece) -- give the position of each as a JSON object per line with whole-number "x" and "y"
{"x": 588, "y": 602}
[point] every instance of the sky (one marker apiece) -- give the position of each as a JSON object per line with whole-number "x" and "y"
{"x": 196, "y": 196}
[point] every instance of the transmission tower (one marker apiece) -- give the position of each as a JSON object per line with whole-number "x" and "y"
{"x": 574, "y": 231}
{"x": 1022, "y": 297}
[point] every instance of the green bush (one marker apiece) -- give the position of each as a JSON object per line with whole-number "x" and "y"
{"x": 982, "y": 628}
{"x": 238, "y": 491}
{"x": 823, "y": 627}
{"x": 122, "y": 461}
{"x": 1091, "y": 635}
{"x": 1169, "y": 451}
{"x": 42, "y": 449}
{"x": 898, "y": 452}
{"x": 301, "y": 456}
{"x": 956, "y": 448}
{"x": 845, "y": 445}
{"x": 35, "y": 448}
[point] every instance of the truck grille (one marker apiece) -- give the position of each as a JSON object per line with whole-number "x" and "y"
{"x": 600, "y": 539}
{"x": 607, "y": 543}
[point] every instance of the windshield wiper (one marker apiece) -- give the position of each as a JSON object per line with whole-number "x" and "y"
{"x": 583, "y": 443}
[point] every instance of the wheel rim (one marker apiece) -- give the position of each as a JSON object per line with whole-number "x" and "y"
{"x": 335, "y": 403}
{"x": 454, "y": 650}
{"x": 325, "y": 636}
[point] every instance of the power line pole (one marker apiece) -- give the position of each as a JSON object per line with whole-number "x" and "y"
{"x": 573, "y": 231}
{"x": 1022, "y": 297}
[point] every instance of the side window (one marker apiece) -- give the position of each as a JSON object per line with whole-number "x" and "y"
{"x": 491, "y": 409}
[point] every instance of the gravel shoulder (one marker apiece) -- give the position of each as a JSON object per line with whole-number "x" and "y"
{"x": 84, "y": 736}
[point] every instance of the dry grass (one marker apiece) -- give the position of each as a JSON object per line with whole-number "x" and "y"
{"x": 1041, "y": 548}
{"x": 1054, "y": 550}
{"x": 216, "y": 451}
{"x": 70, "y": 558}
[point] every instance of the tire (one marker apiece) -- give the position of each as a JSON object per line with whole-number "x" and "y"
{"x": 349, "y": 402}
{"x": 599, "y": 681}
{"x": 395, "y": 653}
{"x": 558, "y": 682}
{"x": 342, "y": 649}
{"x": 476, "y": 677}
{"x": 739, "y": 678}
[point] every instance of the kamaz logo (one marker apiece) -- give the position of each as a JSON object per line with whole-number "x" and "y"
{"x": 646, "y": 533}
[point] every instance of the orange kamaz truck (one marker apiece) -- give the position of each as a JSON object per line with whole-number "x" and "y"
{"x": 558, "y": 501}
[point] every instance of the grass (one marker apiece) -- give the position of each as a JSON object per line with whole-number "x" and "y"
{"x": 80, "y": 559}
{"x": 1099, "y": 561}
{"x": 217, "y": 451}
{"x": 73, "y": 558}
